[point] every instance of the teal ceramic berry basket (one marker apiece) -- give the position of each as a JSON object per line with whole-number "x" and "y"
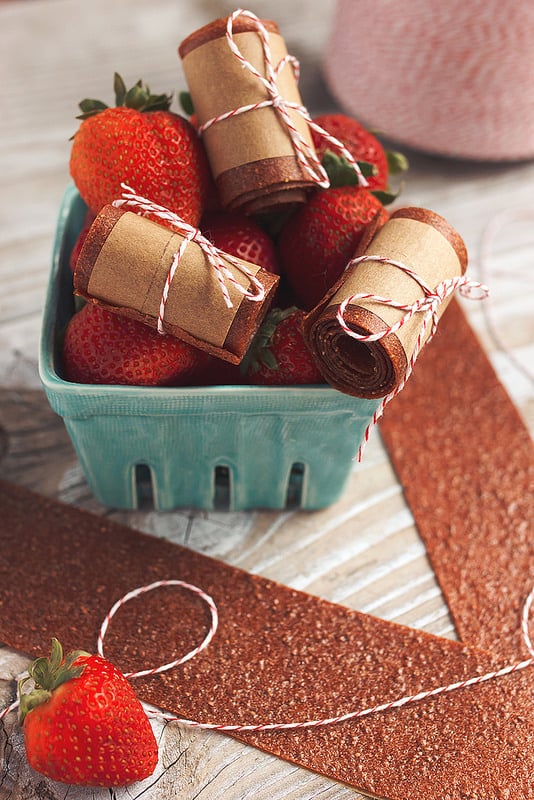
{"x": 215, "y": 447}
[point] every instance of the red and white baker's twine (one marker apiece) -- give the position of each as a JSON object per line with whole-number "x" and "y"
{"x": 312, "y": 723}
{"x": 427, "y": 305}
{"x": 305, "y": 153}
{"x": 216, "y": 258}
{"x": 148, "y": 588}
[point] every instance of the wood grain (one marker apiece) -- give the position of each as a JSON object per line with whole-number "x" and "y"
{"x": 363, "y": 552}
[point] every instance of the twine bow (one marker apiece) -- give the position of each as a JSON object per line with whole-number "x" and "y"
{"x": 427, "y": 305}
{"x": 305, "y": 153}
{"x": 216, "y": 258}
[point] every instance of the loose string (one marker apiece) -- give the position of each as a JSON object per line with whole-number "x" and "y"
{"x": 304, "y": 151}
{"x": 216, "y": 258}
{"x": 492, "y": 231}
{"x": 311, "y": 723}
{"x": 427, "y": 305}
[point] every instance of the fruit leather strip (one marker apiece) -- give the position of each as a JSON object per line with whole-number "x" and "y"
{"x": 278, "y": 655}
{"x": 252, "y": 156}
{"x": 273, "y": 186}
{"x": 123, "y": 266}
{"x": 422, "y": 241}
{"x": 465, "y": 459}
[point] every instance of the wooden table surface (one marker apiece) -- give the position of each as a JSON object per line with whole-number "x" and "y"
{"x": 364, "y": 551}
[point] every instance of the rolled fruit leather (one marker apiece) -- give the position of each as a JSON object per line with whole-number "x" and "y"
{"x": 124, "y": 265}
{"x": 252, "y": 155}
{"x": 419, "y": 239}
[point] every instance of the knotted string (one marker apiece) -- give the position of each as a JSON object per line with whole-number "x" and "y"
{"x": 427, "y": 305}
{"x": 304, "y": 152}
{"x": 216, "y": 258}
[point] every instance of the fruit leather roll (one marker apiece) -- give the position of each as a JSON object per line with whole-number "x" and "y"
{"x": 125, "y": 263}
{"x": 426, "y": 244}
{"x": 252, "y": 155}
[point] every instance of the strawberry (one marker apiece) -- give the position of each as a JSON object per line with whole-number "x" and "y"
{"x": 278, "y": 354}
{"x": 317, "y": 242}
{"x": 219, "y": 373}
{"x": 106, "y": 348}
{"x": 83, "y": 723}
{"x": 143, "y": 144}
{"x": 242, "y": 237}
{"x": 362, "y": 145}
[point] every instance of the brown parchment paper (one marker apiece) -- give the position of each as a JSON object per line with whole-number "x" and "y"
{"x": 251, "y": 154}
{"x": 124, "y": 265}
{"x": 425, "y": 243}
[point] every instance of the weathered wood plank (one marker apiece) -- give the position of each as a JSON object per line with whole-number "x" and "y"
{"x": 363, "y": 552}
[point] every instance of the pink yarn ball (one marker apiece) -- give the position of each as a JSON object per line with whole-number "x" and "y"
{"x": 454, "y": 77}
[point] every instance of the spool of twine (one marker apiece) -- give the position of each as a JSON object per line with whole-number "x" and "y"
{"x": 451, "y": 78}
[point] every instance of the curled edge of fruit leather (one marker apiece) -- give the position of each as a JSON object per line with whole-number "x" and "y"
{"x": 125, "y": 263}
{"x": 426, "y": 244}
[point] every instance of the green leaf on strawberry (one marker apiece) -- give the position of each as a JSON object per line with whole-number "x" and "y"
{"x": 90, "y": 107}
{"x": 279, "y": 355}
{"x": 341, "y": 172}
{"x": 186, "y": 103}
{"x": 139, "y": 97}
{"x": 48, "y": 674}
{"x": 397, "y": 162}
{"x": 365, "y": 148}
{"x": 387, "y": 197}
{"x": 120, "y": 89}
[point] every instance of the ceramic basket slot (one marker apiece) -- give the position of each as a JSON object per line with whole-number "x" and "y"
{"x": 222, "y": 487}
{"x": 143, "y": 486}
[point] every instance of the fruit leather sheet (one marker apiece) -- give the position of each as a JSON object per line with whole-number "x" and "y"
{"x": 466, "y": 462}
{"x": 124, "y": 266}
{"x": 279, "y": 655}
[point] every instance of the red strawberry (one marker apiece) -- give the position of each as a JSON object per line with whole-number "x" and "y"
{"x": 220, "y": 373}
{"x": 318, "y": 241}
{"x": 83, "y": 723}
{"x": 279, "y": 354}
{"x": 362, "y": 145}
{"x": 106, "y": 348}
{"x": 143, "y": 144}
{"x": 240, "y": 236}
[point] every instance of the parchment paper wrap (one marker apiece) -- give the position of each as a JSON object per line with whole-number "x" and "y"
{"x": 422, "y": 241}
{"x": 251, "y": 155}
{"x": 123, "y": 266}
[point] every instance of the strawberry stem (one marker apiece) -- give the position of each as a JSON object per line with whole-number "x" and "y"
{"x": 259, "y": 352}
{"x": 139, "y": 97}
{"x": 186, "y": 103}
{"x": 47, "y": 674}
{"x": 397, "y": 162}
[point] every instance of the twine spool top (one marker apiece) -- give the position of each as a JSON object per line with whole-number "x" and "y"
{"x": 453, "y": 78}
